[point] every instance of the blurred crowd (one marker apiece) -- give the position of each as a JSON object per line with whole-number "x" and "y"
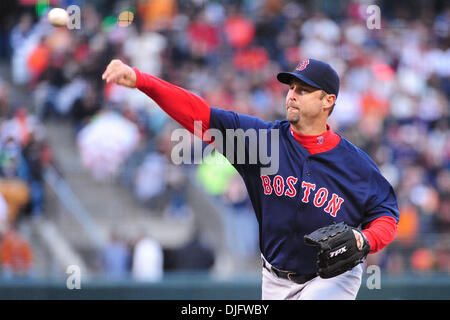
{"x": 393, "y": 101}
{"x": 24, "y": 155}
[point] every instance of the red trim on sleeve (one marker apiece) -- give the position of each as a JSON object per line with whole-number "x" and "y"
{"x": 380, "y": 232}
{"x": 180, "y": 104}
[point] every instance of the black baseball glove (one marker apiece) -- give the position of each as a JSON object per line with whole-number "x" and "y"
{"x": 338, "y": 249}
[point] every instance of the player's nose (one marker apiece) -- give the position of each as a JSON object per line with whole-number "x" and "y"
{"x": 291, "y": 95}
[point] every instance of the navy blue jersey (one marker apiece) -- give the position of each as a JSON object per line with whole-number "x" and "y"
{"x": 308, "y": 191}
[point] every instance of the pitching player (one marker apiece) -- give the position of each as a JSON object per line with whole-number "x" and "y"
{"x": 328, "y": 205}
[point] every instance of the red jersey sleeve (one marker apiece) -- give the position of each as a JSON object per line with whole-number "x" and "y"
{"x": 180, "y": 104}
{"x": 380, "y": 232}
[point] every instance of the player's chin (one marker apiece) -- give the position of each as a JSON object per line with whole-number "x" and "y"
{"x": 292, "y": 117}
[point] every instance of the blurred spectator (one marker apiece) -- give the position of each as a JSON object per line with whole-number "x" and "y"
{"x": 422, "y": 260}
{"x": 20, "y": 34}
{"x": 215, "y": 173}
{"x": 34, "y": 154}
{"x": 241, "y": 226}
{"x": 157, "y": 13}
{"x": 396, "y": 263}
{"x": 22, "y": 162}
{"x": 154, "y": 168}
{"x": 408, "y": 225}
{"x": 239, "y": 30}
{"x": 4, "y": 220}
{"x": 177, "y": 207}
{"x": 442, "y": 255}
{"x": 85, "y": 107}
{"x": 16, "y": 254}
{"x": 12, "y": 163}
{"x": 144, "y": 51}
{"x": 204, "y": 37}
{"x": 148, "y": 260}
{"x": 16, "y": 194}
{"x": 116, "y": 257}
{"x": 38, "y": 60}
{"x": 106, "y": 142}
{"x": 194, "y": 255}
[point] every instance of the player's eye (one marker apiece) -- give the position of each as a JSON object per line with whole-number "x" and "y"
{"x": 302, "y": 91}
{"x": 299, "y": 90}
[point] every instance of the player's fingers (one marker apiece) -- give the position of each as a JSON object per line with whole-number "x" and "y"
{"x": 107, "y": 77}
{"x": 358, "y": 239}
{"x": 125, "y": 81}
{"x": 112, "y": 66}
{"x": 107, "y": 73}
{"x": 113, "y": 76}
{"x": 121, "y": 78}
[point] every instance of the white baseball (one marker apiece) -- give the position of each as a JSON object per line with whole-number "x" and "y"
{"x": 58, "y": 17}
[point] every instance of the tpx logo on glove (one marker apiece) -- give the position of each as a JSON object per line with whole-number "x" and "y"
{"x": 338, "y": 252}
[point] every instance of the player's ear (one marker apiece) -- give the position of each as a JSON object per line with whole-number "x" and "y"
{"x": 331, "y": 99}
{"x": 328, "y": 101}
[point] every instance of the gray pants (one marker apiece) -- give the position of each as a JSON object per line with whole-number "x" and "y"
{"x": 341, "y": 287}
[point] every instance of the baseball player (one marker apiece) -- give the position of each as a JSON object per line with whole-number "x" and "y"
{"x": 328, "y": 205}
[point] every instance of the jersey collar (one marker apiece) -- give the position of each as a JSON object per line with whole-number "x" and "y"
{"x": 319, "y": 143}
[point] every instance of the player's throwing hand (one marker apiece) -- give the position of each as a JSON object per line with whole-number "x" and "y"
{"x": 120, "y": 73}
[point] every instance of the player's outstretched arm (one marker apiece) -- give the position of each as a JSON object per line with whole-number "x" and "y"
{"x": 180, "y": 104}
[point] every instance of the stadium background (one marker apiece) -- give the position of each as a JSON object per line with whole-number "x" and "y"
{"x": 86, "y": 174}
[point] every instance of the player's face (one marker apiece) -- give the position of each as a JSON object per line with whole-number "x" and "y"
{"x": 303, "y": 101}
